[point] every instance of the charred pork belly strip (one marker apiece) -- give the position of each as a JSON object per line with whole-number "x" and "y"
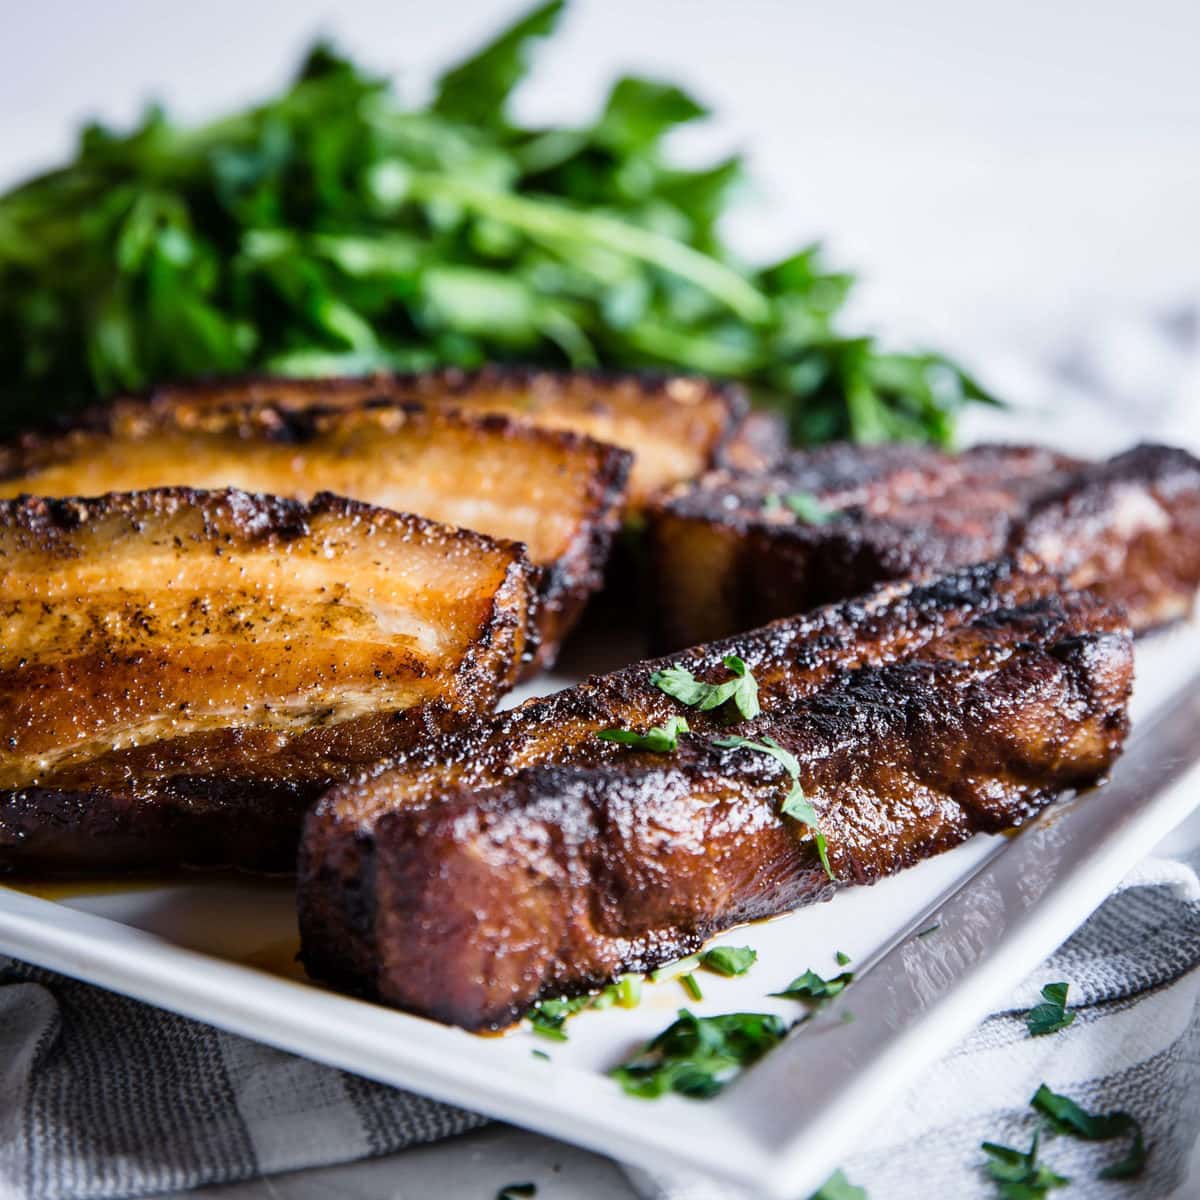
{"x": 740, "y": 548}
{"x": 676, "y": 426}
{"x": 522, "y": 856}
{"x": 182, "y": 672}
{"x": 559, "y": 493}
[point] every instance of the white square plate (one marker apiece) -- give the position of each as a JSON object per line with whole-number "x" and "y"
{"x": 221, "y": 949}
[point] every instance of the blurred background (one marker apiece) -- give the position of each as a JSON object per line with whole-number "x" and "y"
{"x": 1017, "y": 184}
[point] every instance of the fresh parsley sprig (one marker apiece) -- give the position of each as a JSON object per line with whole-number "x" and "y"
{"x": 698, "y": 1056}
{"x": 1065, "y": 1116}
{"x": 815, "y": 990}
{"x": 795, "y": 804}
{"x": 1051, "y": 1015}
{"x": 741, "y": 691}
{"x": 1018, "y": 1174}
{"x": 729, "y": 960}
{"x": 662, "y": 739}
{"x": 548, "y": 1018}
{"x": 720, "y": 960}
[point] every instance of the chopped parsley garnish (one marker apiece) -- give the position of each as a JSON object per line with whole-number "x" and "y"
{"x": 673, "y": 970}
{"x": 692, "y": 986}
{"x": 1051, "y": 1015}
{"x": 842, "y": 958}
{"x": 806, "y": 507}
{"x": 812, "y": 988}
{"x": 540, "y": 1054}
{"x": 729, "y": 960}
{"x": 721, "y": 960}
{"x": 1065, "y": 1116}
{"x": 659, "y": 738}
{"x": 838, "y": 1187}
{"x": 795, "y": 804}
{"x": 548, "y": 1018}
{"x": 742, "y": 690}
{"x": 1020, "y": 1176}
{"x": 697, "y": 1056}
{"x": 510, "y": 1191}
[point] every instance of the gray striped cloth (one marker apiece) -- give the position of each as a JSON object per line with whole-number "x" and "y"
{"x": 104, "y": 1097}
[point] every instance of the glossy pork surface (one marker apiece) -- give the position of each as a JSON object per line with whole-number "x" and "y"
{"x": 558, "y": 493}
{"x": 675, "y": 426}
{"x": 181, "y": 672}
{"x": 731, "y": 552}
{"x": 522, "y": 856}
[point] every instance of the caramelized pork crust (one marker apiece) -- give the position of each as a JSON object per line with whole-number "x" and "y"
{"x": 676, "y": 426}
{"x": 731, "y": 552}
{"x": 559, "y": 493}
{"x": 522, "y": 857}
{"x": 181, "y": 672}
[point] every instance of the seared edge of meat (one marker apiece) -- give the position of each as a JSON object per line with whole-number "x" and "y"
{"x": 676, "y": 425}
{"x": 181, "y": 671}
{"x": 728, "y": 553}
{"x": 559, "y": 492}
{"x": 521, "y": 857}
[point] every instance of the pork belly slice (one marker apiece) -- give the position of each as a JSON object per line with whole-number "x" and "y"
{"x": 559, "y": 493}
{"x": 182, "y": 672}
{"x": 676, "y": 426}
{"x": 523, "y": 857}
{"x": 730, "y": 552}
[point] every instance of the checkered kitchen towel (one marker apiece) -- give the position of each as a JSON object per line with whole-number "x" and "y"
{"x": 104, "y": 1097}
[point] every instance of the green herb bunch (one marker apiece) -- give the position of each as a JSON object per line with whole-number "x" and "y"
{"x": 332, "y": 230}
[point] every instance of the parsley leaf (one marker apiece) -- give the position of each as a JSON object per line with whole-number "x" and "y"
{"x": 842, "y": 958}
{"x": 1065, "y": 1116}
{"x": 838, "y": 1187}
{"x": 806, "y": 507}
{"x": 1019, "y": 1175}
{"x": 729, "y": 960}
{"x": 682, "y": 685}
{"x": 548, "y": 1018}
{"x": 1051, "y": 1015}
{"x": 795, "y": 804}
{"x": 697, "y": 1056}
{"x": 811, "y": 987}
{"x": 659, "y": 738}
{"x": 673, "y": 970}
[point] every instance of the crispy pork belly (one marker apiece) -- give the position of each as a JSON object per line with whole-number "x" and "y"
{"x": 559, "y": 493}
{"x": 739, "y": 548}
{"x": 182, "y": 672}
{"x": 522, "y": 856}
{"x": 676, "y": 426}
